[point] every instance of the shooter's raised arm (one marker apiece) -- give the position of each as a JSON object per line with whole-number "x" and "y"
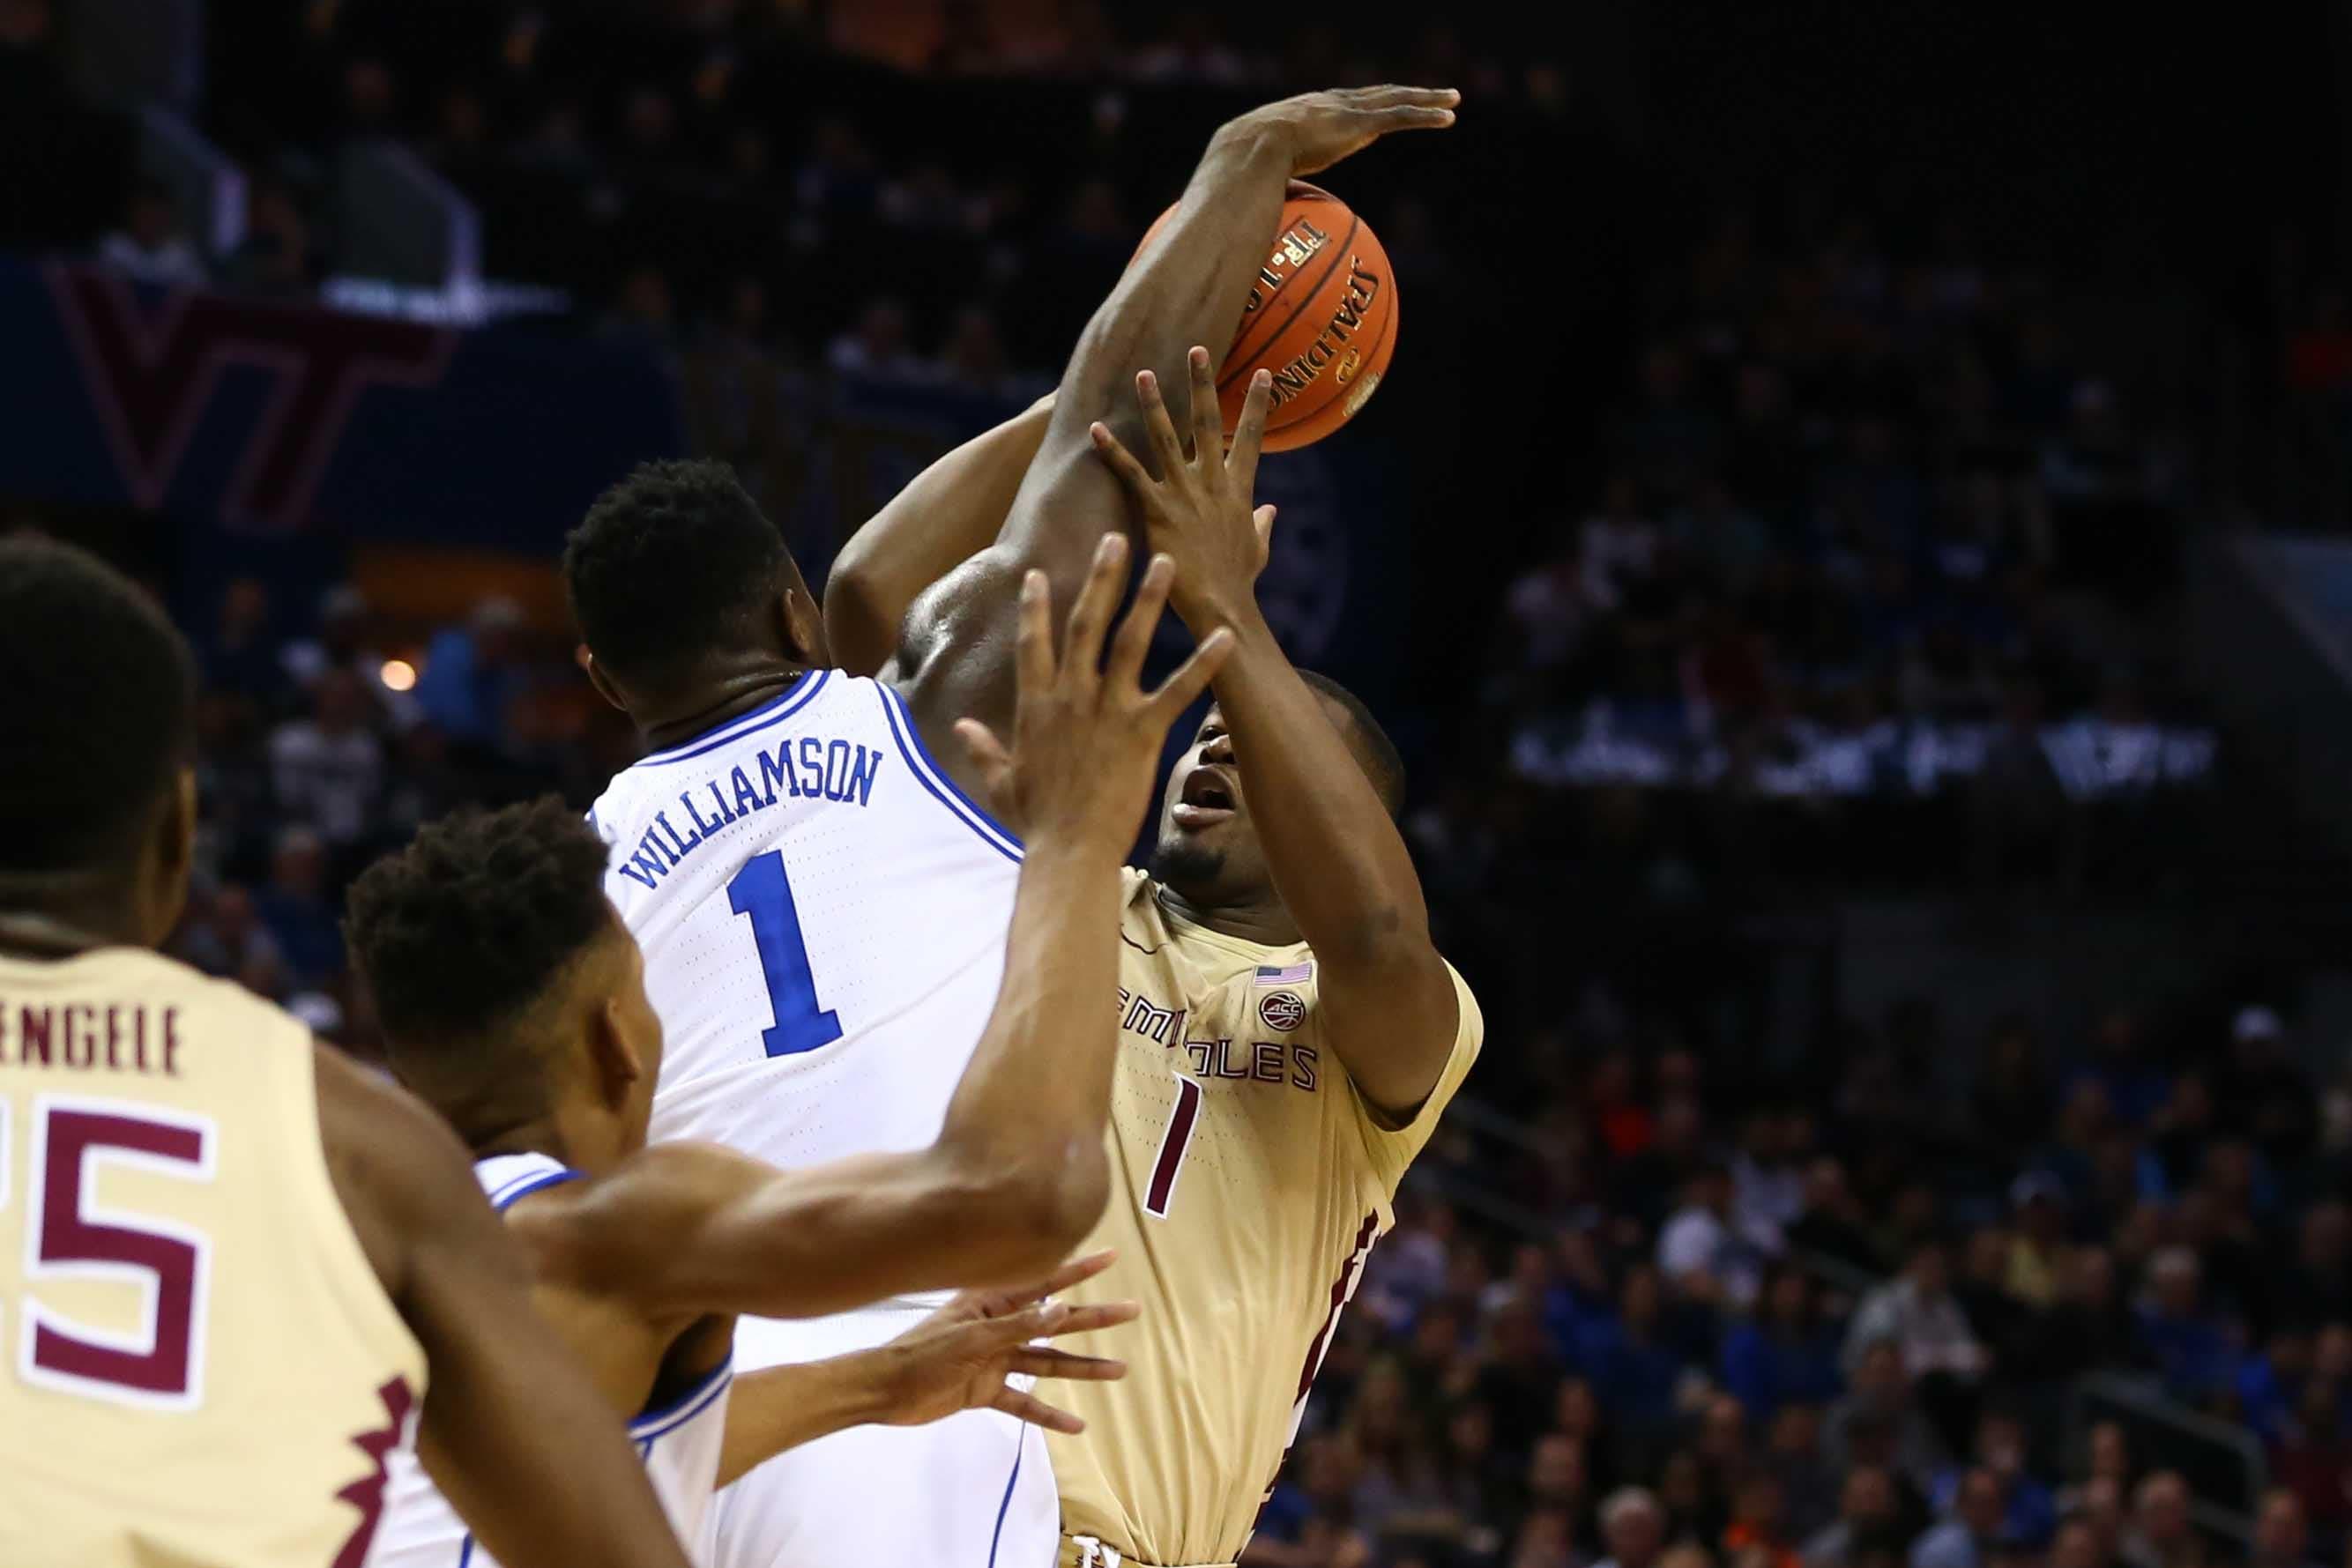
{"x": 1189, "y": 286}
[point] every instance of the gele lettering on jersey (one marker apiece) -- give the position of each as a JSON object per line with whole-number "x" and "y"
{"x": 796, "y": 768}
{"x": 176, "y": 1256}
{"x": 91, "y": 1037}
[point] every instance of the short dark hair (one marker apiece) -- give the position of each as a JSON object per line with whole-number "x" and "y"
{"x": 669, "y": 564}
{"x": 1382, "y": 762}
{"x": 461, "y": 934}
{"x": 99, "y": 706}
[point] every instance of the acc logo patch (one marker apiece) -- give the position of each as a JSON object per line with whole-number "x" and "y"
{"x": 1282, "y": 1011}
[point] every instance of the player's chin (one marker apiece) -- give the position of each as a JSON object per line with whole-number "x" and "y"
{"x": 1187, "y": 860}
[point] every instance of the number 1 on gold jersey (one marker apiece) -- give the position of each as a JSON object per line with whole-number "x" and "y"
{"x": 1173, "y": 1144}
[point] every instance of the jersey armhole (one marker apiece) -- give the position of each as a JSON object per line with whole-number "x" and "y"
{"x": 934, "y": 779}
{"x": 1381, "y": 1138}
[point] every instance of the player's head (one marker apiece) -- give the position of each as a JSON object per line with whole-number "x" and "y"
{"x": 1208, "y": 848}
{"x": 681, "y": 587}
{"x": 98, "y": 796}
{"x": 509, "y": 992}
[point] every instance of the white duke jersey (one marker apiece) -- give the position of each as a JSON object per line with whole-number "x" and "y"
{"x": 679, "y": 1438}
{"x": 823, "y": 915}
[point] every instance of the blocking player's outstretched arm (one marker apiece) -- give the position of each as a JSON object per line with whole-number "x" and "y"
{"x": 946, "y": 515}
{"x": 1337, "y": 858}
{"x": 532, "y": 1457}
{"x": 1018, "y": 1175}
{"x": 1187, "y": 287}
{"x": 956, "y": 1359}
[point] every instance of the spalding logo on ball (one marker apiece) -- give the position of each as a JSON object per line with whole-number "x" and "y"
{"x": 1322, "y": 316}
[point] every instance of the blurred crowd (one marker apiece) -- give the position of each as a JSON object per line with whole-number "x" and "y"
{"x": 1876, "y": 522}
{"x": 1867, "y": 582}
{"x": 1844, "y": 1327}
{"x": 319, "y": 752}
{"x": 733, "y": 182}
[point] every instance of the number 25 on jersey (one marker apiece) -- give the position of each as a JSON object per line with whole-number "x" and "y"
{"x": 68, "y": 1147}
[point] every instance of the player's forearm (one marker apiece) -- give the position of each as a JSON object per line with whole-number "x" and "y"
{"x": 951, "y": 511}
{"x": 1188, "y": 287}
{"x": 1033, "y": 1102}
{"x": 1342, "y": 870}
{"x": 1338, "y": 860}
{"x": 781, "y": 1407}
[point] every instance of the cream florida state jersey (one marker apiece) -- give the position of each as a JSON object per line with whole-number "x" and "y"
{"x": 202, "y": 1367}
{"x": 1249, "y": 1183}
{"x": 824, "y": 916}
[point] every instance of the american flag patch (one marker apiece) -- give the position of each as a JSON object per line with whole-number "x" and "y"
{"x": 1296, "y": 975}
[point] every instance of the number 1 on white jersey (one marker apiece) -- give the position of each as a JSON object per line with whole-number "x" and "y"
{"x": 762, "y": 893}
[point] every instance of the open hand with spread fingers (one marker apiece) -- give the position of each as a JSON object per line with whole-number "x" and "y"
{"x": 1316, "y": 129}
{"x": 1086, "y": 740}
{"x": 960, "y": 1357}
{"x": 1198, "y": 511}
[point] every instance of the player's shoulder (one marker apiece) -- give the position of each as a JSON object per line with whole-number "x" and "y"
{"x": 1142, "y": 922}
{"x": 673, "y": 1176}
{"x": 584, "y": 1230}
{"x": 144, "y": 971}
{"x": 377, "y": 1133}
{"x": 394, "y": 1167}
{"x": 266, "y": 1037}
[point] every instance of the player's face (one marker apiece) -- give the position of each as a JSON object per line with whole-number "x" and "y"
{"x": 1207, "y": 848}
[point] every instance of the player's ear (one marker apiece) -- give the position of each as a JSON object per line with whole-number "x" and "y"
{"x": 618, "y": 1065}
{"x": 169, "y": 859}
{"x": 802, "y": 625}
{"x": 600, "y": 679}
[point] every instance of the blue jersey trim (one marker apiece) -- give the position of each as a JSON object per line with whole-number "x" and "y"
{"x": 1004, "y": 1504}
{"x": 934, "y": 779}
{"x": 466, "y": 1552}
{"x": 508, "y": 1195}
{"x": 772, "y": 712}
{"x": 512, "y": 1182}
{"x": 656, "y": 1421}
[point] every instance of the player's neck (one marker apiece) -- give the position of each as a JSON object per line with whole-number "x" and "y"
{"x": 727, "y": 695}
{"x": 51, "y": 926}
{"x": 1260, "y": 919}
{"x": 576, "y": 1137}
{"x": 539, "y": 1135}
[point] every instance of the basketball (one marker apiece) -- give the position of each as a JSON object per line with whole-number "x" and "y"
{"x": 1322, "y": 316}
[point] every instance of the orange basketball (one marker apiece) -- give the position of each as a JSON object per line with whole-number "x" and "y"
{"x": 1322, "y": 316}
